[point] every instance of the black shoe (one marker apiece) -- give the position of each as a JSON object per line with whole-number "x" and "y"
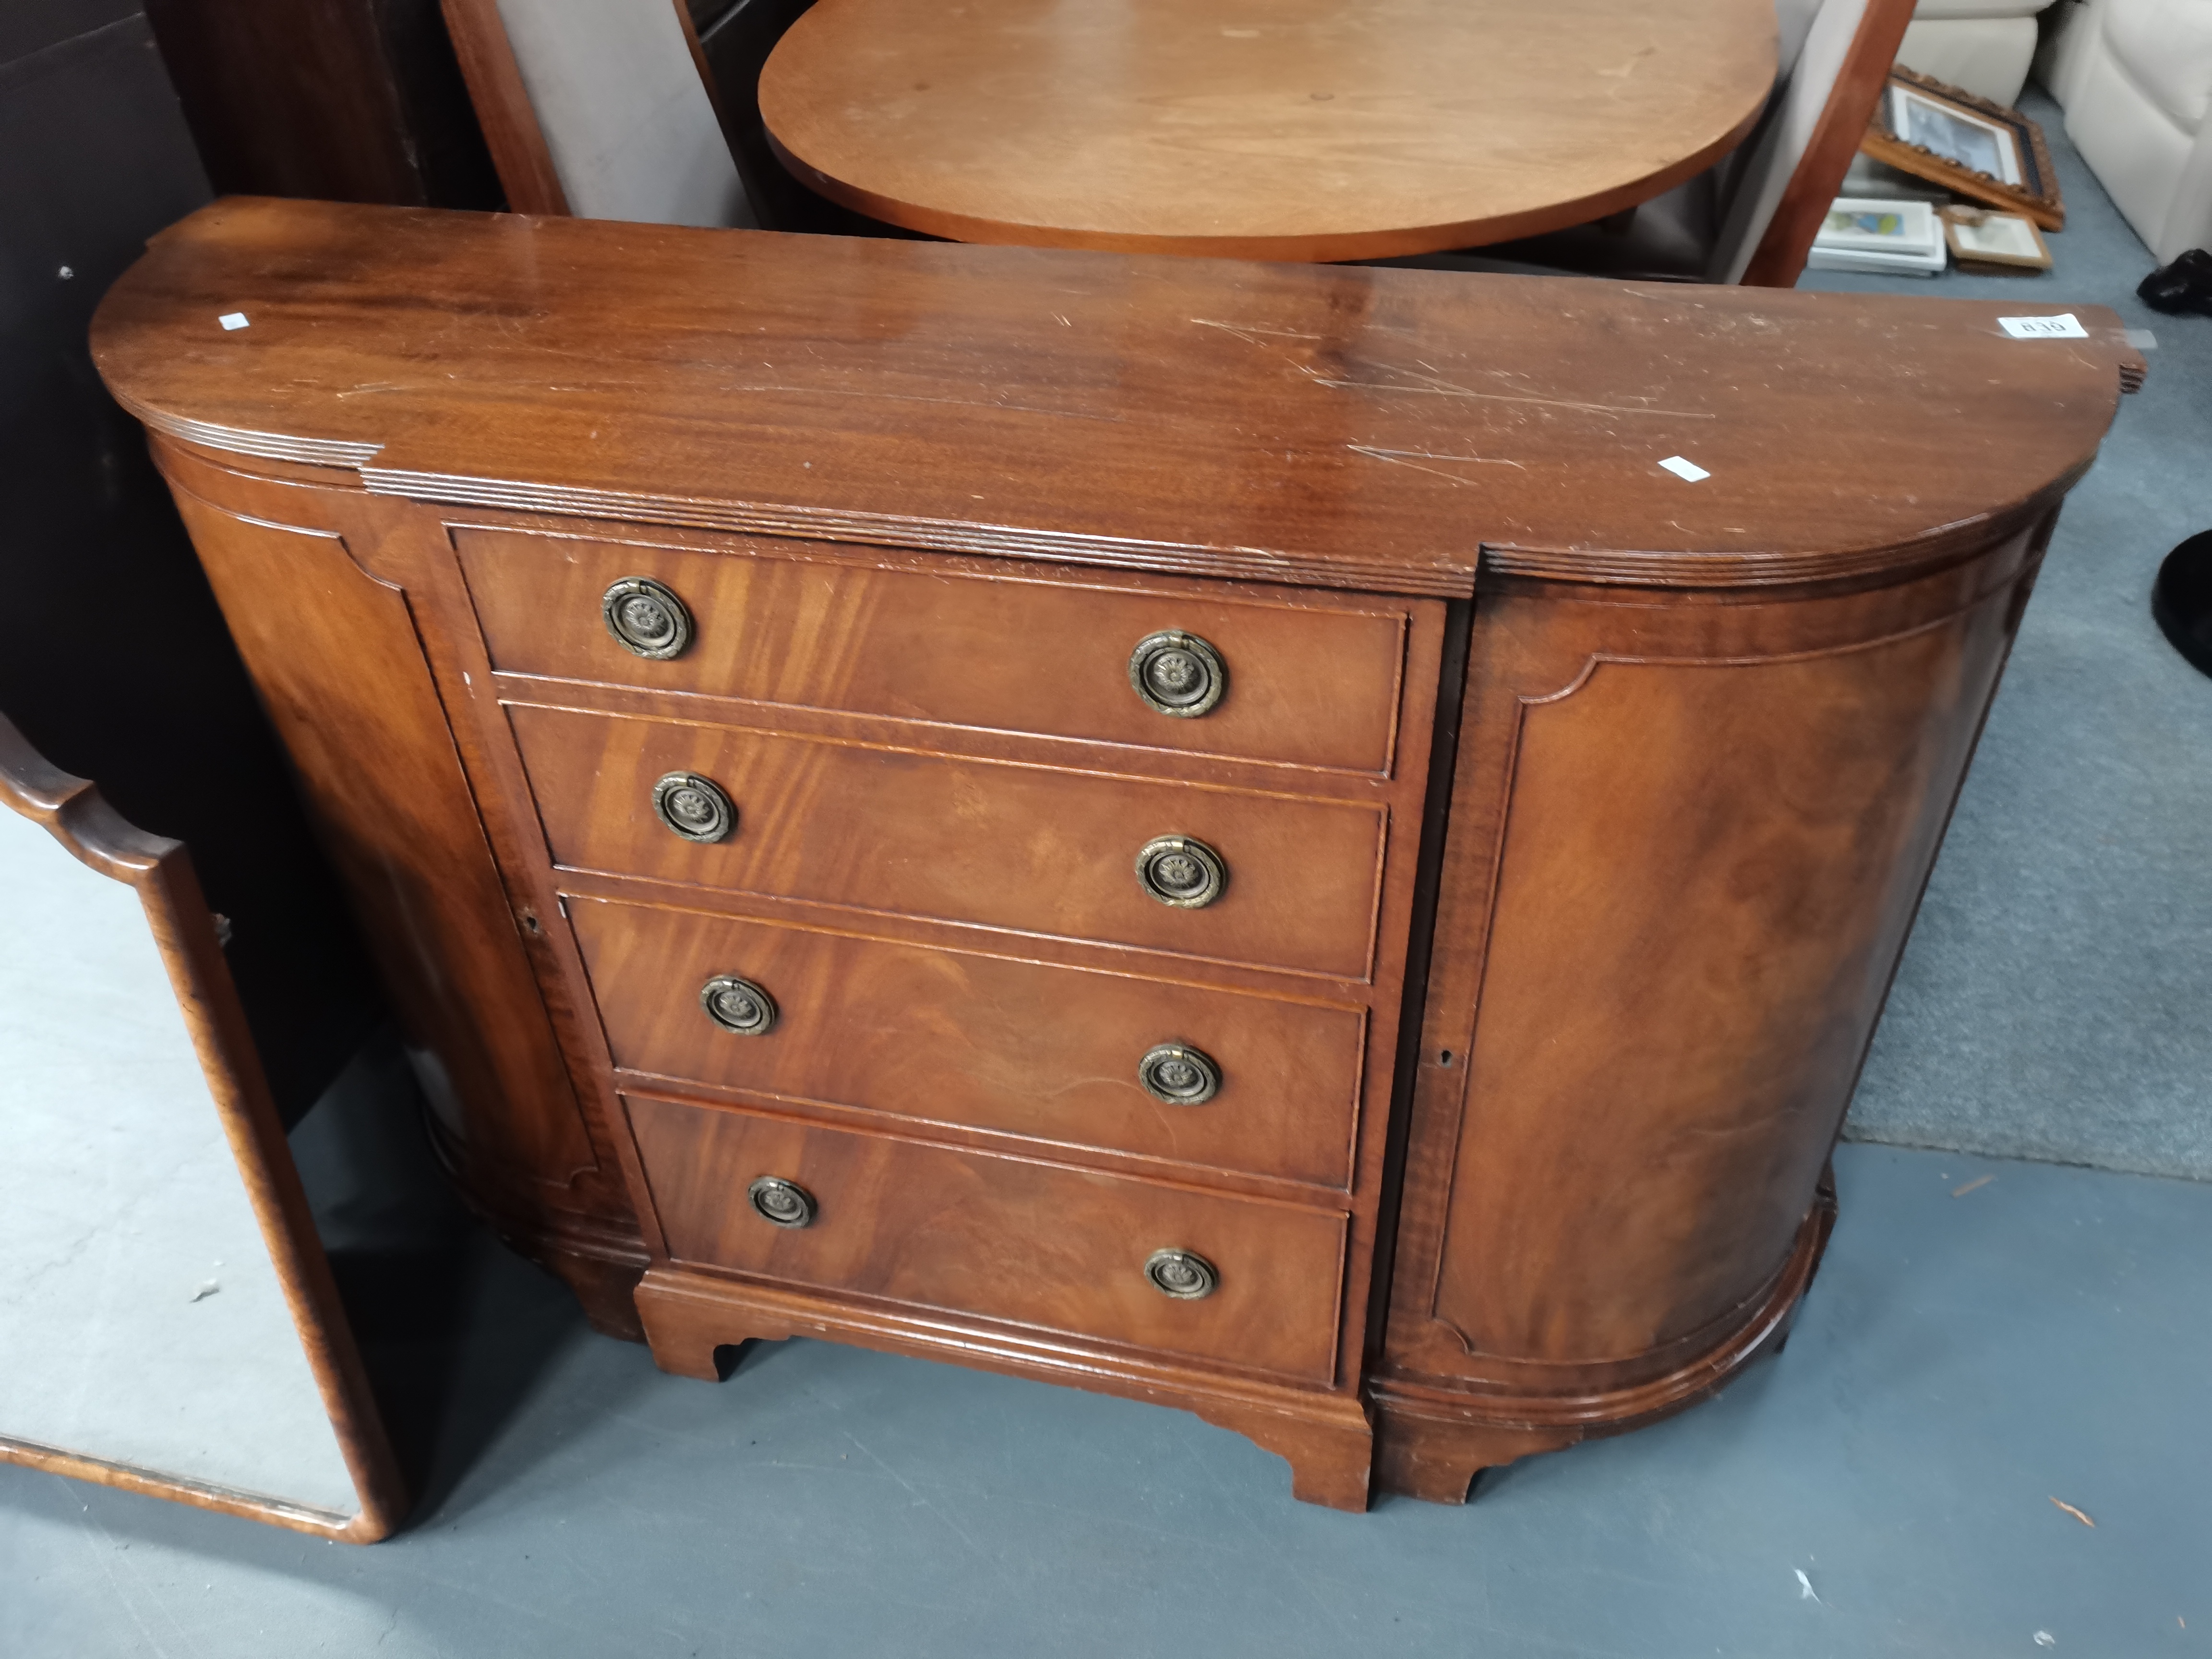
{"x": 2181, "y": 600}
{"x": 2184, "y": 285}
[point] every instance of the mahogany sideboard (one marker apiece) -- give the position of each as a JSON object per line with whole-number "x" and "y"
{"x": 1321, "y": 846}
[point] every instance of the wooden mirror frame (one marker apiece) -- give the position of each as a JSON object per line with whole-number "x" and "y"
{"x": 72, "y": 811}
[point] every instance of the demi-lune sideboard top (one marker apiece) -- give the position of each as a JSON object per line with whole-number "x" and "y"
{"x": 1321, "y": 846}
{"x": 1347, "y": 427}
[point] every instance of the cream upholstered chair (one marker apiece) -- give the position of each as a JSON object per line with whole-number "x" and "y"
{"x": 1752, "y": 217}
{"x": 1984, "y": 46}
{"x": 2134, "y": 77}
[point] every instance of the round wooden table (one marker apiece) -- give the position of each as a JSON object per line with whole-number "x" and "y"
{"x": 1260, "y": 129}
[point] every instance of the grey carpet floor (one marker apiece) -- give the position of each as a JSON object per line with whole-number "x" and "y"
{"x": 2056, "y": 1000}
{"x": 1963, "y": 1365}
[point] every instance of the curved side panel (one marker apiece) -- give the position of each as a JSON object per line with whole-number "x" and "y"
{"x": 1688, "y": 842}
{"x": 335, "y": 655}
{"x": 1708, "y": 871}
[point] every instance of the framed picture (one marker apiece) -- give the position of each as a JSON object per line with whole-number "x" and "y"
{"x": 1867, "y": 234}
{"x": 1971, "y": 146}
{"x": 2003, "y": 241}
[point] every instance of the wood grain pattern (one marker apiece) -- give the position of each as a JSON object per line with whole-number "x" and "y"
{"x": 1298, "y": 129}
{"x": 1709, "y": 1063}
{"x": 1028, "y": 1049}
{"x": 72, "y": 810}
{"x": 1313, "y": 682}
{"x": 1031, "y": 1243}
{"x": 1018, "y": 848}
{"x": 342, "y": 673}
{"x": 1360, "y": 428}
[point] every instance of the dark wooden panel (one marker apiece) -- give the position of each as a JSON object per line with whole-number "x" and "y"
{"x": 350, "y": 100}
{"x": 957, "y": 1038}
{"x": 1343, "y": 427}
{"x": 1312, "y": 681}
{"x": 113, "y": 659}
{"x": 1017, "y": 847}
{"x": 1031, "y": 1243}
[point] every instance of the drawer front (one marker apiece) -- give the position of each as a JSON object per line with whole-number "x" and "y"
{"x": 1001, "y": 1237}
{"x": 1310, "y": 682}
{"x": 1021, "y": 847}
{"x": 955, "y": 1037}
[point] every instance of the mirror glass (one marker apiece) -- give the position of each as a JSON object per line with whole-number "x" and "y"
{"x": 142, "y": 1322}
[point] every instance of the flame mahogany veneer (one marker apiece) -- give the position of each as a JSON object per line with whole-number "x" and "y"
{"x": 1574, "y": 814}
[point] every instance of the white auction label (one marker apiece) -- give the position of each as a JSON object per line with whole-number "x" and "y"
{"x": 1689, "y": 471}
{"x": 2064, "y": 326}
{"x": 232, "y": 319}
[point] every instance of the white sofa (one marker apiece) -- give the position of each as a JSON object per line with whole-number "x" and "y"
{"x": 2134, "y": 77}
{"x": 1983, "y": 46}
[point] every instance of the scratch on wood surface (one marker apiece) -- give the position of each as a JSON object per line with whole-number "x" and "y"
{"x": 1436, "y": 386}
{"x": 915, "y": 397}
{"x": 1245, "y": 330}
{"x": 1960, "y": 1192}
{"x": 1404, "y": 458}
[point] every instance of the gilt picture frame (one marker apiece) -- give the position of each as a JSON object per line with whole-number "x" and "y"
{"x": 1971, "y": 146}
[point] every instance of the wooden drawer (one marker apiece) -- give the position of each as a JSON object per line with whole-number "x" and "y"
{"x": 1022, "y": 848}
{"x": 1313, "y": 680}
{"x": 956, "y": 1037}
{"x": 1001, "y": 1237}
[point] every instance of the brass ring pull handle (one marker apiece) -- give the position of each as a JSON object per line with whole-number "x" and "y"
{"x": 1184, "y": 1274}
{"x": 1177, "y": 1074}
{"x": 738, "y": 1006}
{"x": 647, "y": 619}
{"x": 694, "y": 807}
{"x": 1180, "y": 871}
{"x": 781, "y": 1203}
{"x": 1178, "y": 674}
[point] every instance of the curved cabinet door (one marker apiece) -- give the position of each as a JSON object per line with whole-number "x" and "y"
{"x": 1688, "y": 843}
